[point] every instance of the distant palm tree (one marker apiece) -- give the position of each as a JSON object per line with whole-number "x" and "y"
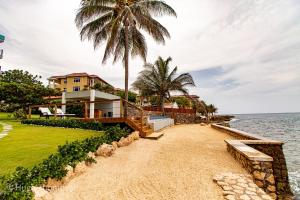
{"x": 158, "y": 79}
{"x": 119, "y": 22}
{"x": 212, "y": 109}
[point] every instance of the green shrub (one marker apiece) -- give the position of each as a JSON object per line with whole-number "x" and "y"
{"x": 20, "y": 114}
{"x": 67, "y": 123}
{"x": 17, "y": 185}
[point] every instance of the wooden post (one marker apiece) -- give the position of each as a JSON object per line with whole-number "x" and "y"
{"x": 55, "y": 111}
{"x": 85, "y": 110}
{"x": 29, "y": 113}
{"x": 142, "y": 121}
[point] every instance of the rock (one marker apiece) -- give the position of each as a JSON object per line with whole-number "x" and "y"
{"x": 39, "y": 192}
{"x": 115, "y": 145}
{"x": 250, "y": 193}
{"x": 217, "y": 178}
{"x": 266, "y": 197}
{"x": 271, "y": 188}
{"x": 271, "y": 179}
{"x": 240, "y": 180}
{"x": 273, "y": 195}
{"x": 259, "y": 183}
{"x": 80, "y": 167}
{"x": 105, "y": 150}
{"x": 91, "y": 155}
{"x": 259, "y": 175}
{"x": 255, "y": 198}
{"x": 252, "y": 189}
{"x": 221, "y": 183}
{"x": 260, "y": 191}
{"x": 256, "y": 167}
{"x": 230, "y": 197}
{"x": 231, "y": 181}
{"x": 136, "y": 135}
{"x": 202, "y": 124}
{"x": 226, "y": 188}
{"x": 238, "y": 191}
{"x": 124, "y": 142}
{"x": 243, "y": 185}
{"x": 228, "y": 193}
{"x": 244, "y": 197}
{"x": 237, "y": 187}
{"x": 53, "y": 183}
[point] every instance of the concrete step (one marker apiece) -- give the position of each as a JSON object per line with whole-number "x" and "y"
{"x": 154, "y": 136}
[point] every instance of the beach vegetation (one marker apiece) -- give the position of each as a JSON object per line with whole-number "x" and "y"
{"x": 160, "y": 80}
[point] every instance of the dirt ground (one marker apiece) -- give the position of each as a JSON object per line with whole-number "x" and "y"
{"x": 180, "y": 165}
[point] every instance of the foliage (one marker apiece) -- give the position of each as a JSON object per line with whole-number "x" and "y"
{"x": 78, "y": 110}
{"x": 104, "y": 88}
{"x": 18, "y": 89}
{"x": 18, "y": 184}
{"x": 182, "y": 102}
{"x": 158, "y": 79}
{"x": 119, "y": 23}
{"x": 211, "y": 109}
{"x": 20, "y": 114}
{"x": 67, "y": 123}
{"x": 20, "y": 76}
{"x": 131, "y": 95}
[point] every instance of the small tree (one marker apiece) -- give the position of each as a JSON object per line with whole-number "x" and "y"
{"x": 23, "y": 90}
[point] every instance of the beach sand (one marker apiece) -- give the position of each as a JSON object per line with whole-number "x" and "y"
{"x": 180, "y": 165}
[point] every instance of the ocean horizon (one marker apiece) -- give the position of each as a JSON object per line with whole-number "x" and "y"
{"x": 279, "y": 126}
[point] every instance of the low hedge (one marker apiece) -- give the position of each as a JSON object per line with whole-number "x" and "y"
{"x": 66, "y": 123}
{"x": 17, "y": 186}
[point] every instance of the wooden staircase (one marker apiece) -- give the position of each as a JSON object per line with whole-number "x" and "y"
{"x": 136, "y": 119}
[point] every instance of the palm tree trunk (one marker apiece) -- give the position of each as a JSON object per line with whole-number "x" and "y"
{"x": 126, "y": 70}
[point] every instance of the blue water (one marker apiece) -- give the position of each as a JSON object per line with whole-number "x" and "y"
{"x": 284, "y": 127}
{"x": 154, "y": 117}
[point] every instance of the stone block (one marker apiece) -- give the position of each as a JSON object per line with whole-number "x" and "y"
{"x": 105, "y": 150}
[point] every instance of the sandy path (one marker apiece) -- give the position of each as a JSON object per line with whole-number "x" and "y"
{"x": 180, "y": 165}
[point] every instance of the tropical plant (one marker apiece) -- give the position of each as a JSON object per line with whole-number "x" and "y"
{"x": 104, "y": 88}
{"x": 211, "y": 109}
{"x": 131, "y": 95}
{"x": 158, "y": 79}
{"x": 119, "y": 23}
{"x": 182, "y": 102}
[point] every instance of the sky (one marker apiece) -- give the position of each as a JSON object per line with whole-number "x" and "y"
{"x": 244, "y": 55}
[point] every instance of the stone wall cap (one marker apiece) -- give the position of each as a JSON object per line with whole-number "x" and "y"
{"x": 247, "y": 135}
{"x": 249, "y": 152}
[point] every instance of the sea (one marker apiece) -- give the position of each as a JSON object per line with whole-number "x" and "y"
{"x": 281, "y": 126}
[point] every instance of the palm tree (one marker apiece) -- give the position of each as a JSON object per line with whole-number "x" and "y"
{"x": 119, "y": 22}
{"x": 158, "y": 79}
{"x": 211, "y": 109}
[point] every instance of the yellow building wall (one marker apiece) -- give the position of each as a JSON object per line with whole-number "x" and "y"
{"x": 71, "y": 84}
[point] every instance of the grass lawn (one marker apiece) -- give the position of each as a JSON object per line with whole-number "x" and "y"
{"x": 27, "y": 145}
{"x": 1, "y": 128}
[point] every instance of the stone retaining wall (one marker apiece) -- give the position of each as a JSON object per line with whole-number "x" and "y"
{"x": 179, "y": 118}
{"x": 279, "y": 165}
{"x": 263, "y": 158}
{"x": 261, "y": 171}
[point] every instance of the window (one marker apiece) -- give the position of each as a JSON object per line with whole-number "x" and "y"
{"x": 65, "y": 81}
{"x": 76, "y": 79}
{"x": 65, "y": 89}
{"x": 77, "y": 88}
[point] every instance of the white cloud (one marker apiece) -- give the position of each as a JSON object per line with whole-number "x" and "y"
{"x": 256, "y": 42}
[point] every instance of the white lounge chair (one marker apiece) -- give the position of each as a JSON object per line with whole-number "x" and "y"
{"x": 60, "y": 113}
{"x": 45, "y": 112}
